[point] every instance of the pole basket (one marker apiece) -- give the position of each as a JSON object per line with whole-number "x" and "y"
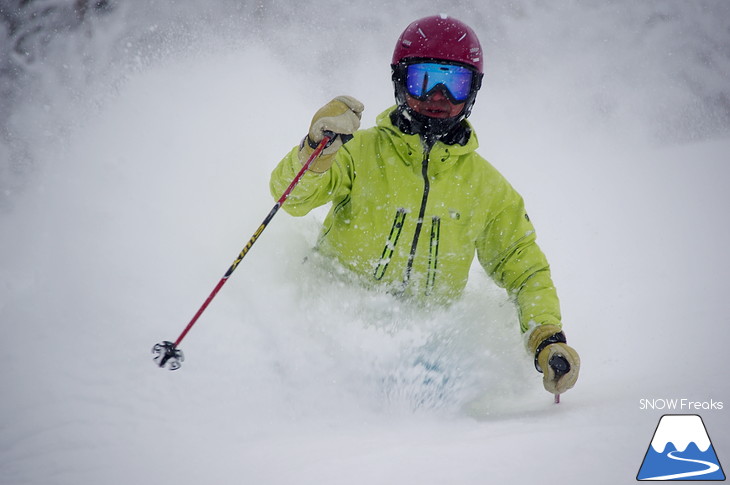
{"x": 167, "y": 355}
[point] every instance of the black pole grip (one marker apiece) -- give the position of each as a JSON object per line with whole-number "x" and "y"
{"x": 559, "y": 364}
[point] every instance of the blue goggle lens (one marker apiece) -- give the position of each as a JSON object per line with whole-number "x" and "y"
{"x": 424, "y": 78}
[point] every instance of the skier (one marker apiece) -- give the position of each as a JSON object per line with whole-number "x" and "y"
{"x": 412, "y": 201}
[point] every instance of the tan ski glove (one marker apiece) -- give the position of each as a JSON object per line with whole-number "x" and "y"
{"x": 340, "y": 116}
{"x": 547, "y": 342}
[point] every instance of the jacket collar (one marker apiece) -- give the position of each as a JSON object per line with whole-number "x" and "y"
{"x": 411, "y": 149}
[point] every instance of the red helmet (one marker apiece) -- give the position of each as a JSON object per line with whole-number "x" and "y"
{"x": 439, "y": 37}
{"x": 442, "y": 39}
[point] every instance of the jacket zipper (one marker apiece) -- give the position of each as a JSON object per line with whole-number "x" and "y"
{"x": 395, "y": 230}
{"x": 421, "y": 214}
{"x": 433, "y": 253}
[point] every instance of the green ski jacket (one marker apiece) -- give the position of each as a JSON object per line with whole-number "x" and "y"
{"x": 413, "y": 220}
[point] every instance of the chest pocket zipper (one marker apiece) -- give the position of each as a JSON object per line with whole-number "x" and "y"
{"x": 433, "y": 253}
{"x": 389, "y": 249}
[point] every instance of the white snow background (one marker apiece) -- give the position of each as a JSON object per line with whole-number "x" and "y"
{"x": 134, "y": 167}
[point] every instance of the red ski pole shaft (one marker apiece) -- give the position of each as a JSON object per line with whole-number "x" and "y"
{"x": 254, "y": 238}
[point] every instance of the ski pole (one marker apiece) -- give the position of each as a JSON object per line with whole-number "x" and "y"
{"x": 168, "y": 353}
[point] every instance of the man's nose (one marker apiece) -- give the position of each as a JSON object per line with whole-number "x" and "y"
{"x": 437, "y": 95}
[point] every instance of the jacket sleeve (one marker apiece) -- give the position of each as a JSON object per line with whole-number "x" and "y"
{"x": 508, "y": 252}
{"x": 314, "y": 189}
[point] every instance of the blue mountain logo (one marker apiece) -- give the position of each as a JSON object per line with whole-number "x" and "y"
{"x": 680, "y": 450}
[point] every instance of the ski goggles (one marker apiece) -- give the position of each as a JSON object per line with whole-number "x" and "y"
{"x": 424, "y": 78}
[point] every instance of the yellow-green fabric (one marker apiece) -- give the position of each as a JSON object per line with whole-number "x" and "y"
{"x": 376, "y": 186}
